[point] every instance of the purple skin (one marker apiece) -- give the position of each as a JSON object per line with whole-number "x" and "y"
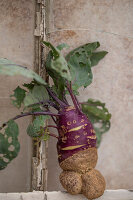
{"x": 76, "y": 133}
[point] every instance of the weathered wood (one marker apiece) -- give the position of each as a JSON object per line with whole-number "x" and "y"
{"x": 39, "y": 160}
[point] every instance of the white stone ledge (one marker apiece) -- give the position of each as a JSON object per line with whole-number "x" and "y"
{"x": 36, "y": 195}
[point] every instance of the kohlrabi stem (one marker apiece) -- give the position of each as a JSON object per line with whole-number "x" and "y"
{"x": 53, "y": 95}
{"x": 78, "y": 102}
{"x": 44, "y": 103}
{"x": 53, "y": 105}
{"x": 52, "y": 126}
{"x": 53, "y": 135}
{"x": 54, "y": 119}
{"x": 75, "y": 102}
{"x": 75, "y": 97}
{"x": 86, "y": 103}
{"x": 27, "y": 114}
{"x": 64, "y": 99}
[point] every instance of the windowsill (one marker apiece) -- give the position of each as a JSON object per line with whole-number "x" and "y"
{"x": 37, "y": 195}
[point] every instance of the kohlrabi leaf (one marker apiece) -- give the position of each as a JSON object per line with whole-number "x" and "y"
{"x": 9, "y": 145}
{"x": 18, "y": 97}
{"x": 80, "y": 68}
{"x": 97, "y": 56}
{"x": 80, "y": 65}
{"x": 56, "y": 63}
{"x": 62, "y": 46}
{"x": 36, "y": 95}
{"x": 59, "y": 81}
{"x": 84, "y": 49}
{"x": 9, "y": 68}
{"x": 99, "y": 115}
{"x": 36, "y": 128}
{"x": 80, "y": 61}
{"x": 45, "y": 135}
{"x": 30, "y": 85}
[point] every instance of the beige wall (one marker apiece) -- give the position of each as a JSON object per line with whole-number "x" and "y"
{"x": 111, "y": 23}
{"x": 75, "y": 22}
{"x": 16, "y": 44}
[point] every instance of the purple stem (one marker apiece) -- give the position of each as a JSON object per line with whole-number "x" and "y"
{"x": 35, "y": 113}
{"x": 53, "y": 105}
{"x": 52, "y": 126}
{"x": 75, "y": 102}
{"x": 86, "y": 103}
{"x": 44, "y": 102}
{"x": 53, "y": 95}
{"x": 53, "y": 135}
{"x": 54, "y": 119}
{"x": 29, "y": 113}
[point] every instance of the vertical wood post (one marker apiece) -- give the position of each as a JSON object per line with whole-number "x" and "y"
{"x": 40, "y": 148}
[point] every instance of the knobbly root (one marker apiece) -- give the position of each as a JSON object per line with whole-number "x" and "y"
{"x": 79, "y": 175}
{"x": 91, "y": 184}
{"x": 71, "y": 181}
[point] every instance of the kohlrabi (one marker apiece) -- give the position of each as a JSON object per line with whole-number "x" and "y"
{"x": 80, "y": 126}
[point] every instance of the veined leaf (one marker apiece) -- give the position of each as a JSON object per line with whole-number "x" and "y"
{"x": 37, "y": 94}
{"x": 9, "y": 68}
{"x": 84, "y": 49}
{"x": 80, "y": 64}
{"x": 59, "y": 81}
{"x": 18, "y": 97}
{"x": 80, "y": 61}
{"x": 57, "y": 63}
{"x": 97, "y": 56}
{"x": 35, "y": 128}
{"x": 80, "y": 68}
{"x": 62, "y": 46}
{"x": 99, "y": 115}
{"x": 9, "y": 145}
{"x": 30, "y": 85}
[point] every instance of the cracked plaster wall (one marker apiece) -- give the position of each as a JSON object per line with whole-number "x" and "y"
{"x": 111, "y": 23}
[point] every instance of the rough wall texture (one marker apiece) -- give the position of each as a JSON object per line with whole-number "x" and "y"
{"x": 16, "y": 44}
{"x": 111, "y": 23}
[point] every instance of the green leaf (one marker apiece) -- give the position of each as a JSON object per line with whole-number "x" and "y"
{"x": 18, "y": 97}
{"x": 9, "y": 68}
{"x": 9, "y": 145}
{"x": 59, "y": 81}
{"x": 80, "y": 61}
{"x": 84, "y": 49}
{"x": 80, "y": 64}
{"x": 37, "y": 94}
{"x": 62, "y": 46}
{"x": 45, "y": 136}
{"x": 35, "y": 128}
{"x": 80, "y": 68}
{"x": 59, "y": 87}
{"x": 56, "y": 63}
{"x": 99, "y": 115}
{"x": 30, "y": 85}
{"x": 97, "y": 56}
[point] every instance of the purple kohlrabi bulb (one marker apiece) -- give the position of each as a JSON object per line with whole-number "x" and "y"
{"x": 76, "y": 133}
